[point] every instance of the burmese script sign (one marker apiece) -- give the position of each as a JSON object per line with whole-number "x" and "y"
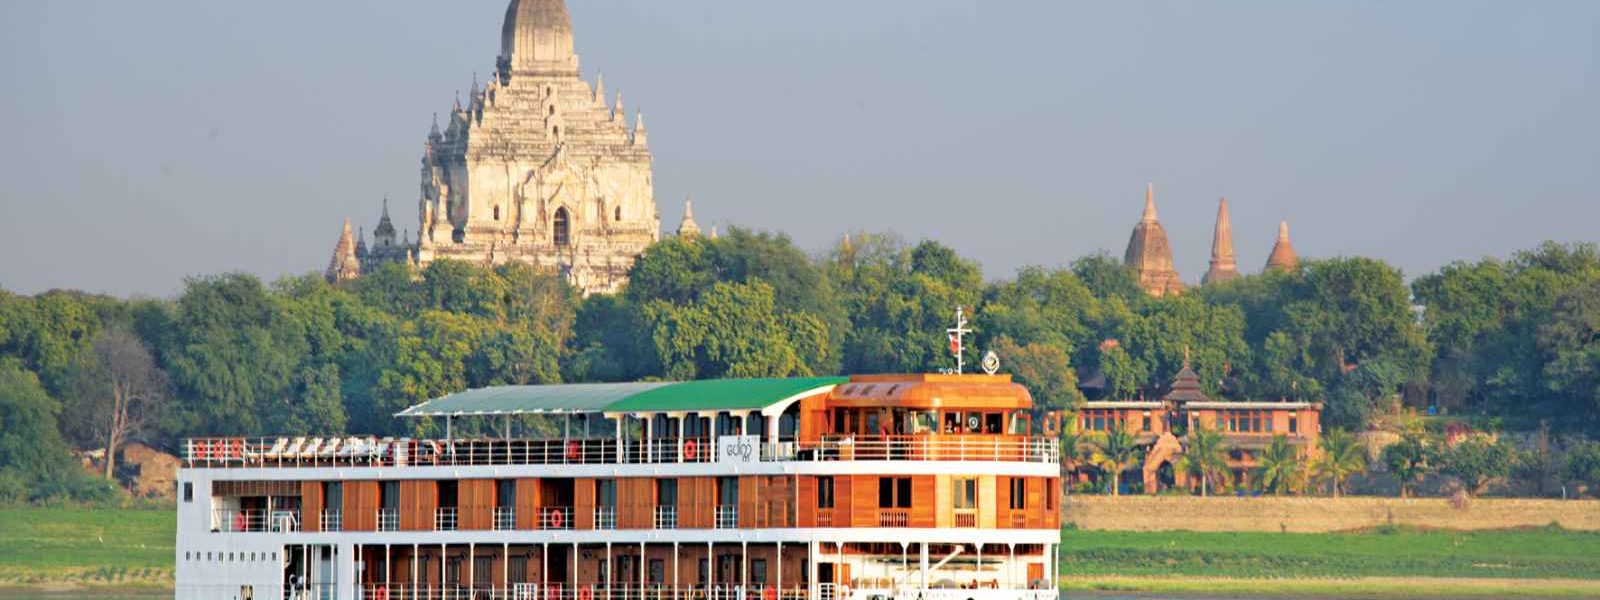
{"x": 738, "y": 449}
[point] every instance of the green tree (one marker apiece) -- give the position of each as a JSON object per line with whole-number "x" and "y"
{"x": 900, "y": 301}
{"x": 1583, "y": 463}
{"x": 733, "y": 330}
{"x": 1409, "y": 459}
{"x": 1280, "y": 468}
{"x": 1570, "y": 341}
{"x": 1074, "y": 448}
{"x": 1116, "y": 451}
{"x": 1045, "y": 370}
{"x": 1204, "y": 457}
{"x": 1342, "y": 456}
{"x": 1478, "y": 460}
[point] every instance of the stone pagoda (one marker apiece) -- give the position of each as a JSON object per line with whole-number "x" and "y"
{"x": 1150, "y": 254}
{"x": 1224, "y": 265}
{"x": 1283, "y": 257}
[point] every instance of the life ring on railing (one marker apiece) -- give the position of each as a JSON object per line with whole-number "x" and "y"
{"x": 552, "y": 592}
{"x": 769, "y": 594}
{"x": 586, "y": 593}
{"x": 573, "y": 451}
{"x": 690, "y": 449}
{"x": 237, "y": 451}
{"x": 382, "y": 593}
{"x": 557, "y": 519}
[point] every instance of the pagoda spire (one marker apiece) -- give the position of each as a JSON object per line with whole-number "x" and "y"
{"x": 1283, "y": 257}
{"x": 640, "y": 136}
{"x": 688, "y": 228}
{"x": 1224, "y": 264}
{"x": 344, "y": 265}
{"x": 600, "y": 88}
{"x": 1149, "y": 203}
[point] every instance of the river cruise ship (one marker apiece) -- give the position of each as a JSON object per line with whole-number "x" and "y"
{"x": 924, "y": 486}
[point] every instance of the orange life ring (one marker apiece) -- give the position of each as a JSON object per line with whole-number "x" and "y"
{"x": 586, "y": 593}
{"x": 689, "y": 449}
{"x": 238, "y": 449}
{"x": 557, "y": 519}
{"x": 382, "y": 593}
{"x": 552, "y": 592}
{"x": 197, "y": 450}
{"x": 573, "y": 451}
{"x": 769, "y": 594}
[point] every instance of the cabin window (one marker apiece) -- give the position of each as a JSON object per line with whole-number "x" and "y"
{"x": 1050, "y": 495}
{"x": 824, "y": 492}
{"x": 924, "y": 421}
{"x": 728, "y": 491}
{"x": 874, "y": 423}
{"x": 658, "y": 571}
{"x": 605, "y": 493}
{"x": 563, "y": 227}
{"x": 894, "y": 492}
{"x": 993, "y": 423}
{"x": 619, "y": 214}
{"x": 965, "y": 492}
{"x": 188, "y": 491}
{"x": 758, "y": 571}
{"x": 666, "y": 492}
{"x": 1019, "y": 493}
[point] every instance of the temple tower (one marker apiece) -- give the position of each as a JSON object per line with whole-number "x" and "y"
{"x": 534, "y": 167}
{"x": 1224, "y": 265}
{"x": 688, "y": 228}
{"x": 1150, "y": 254}
{"x": 1283, "y": 257}
{"x": 344, "y": 266}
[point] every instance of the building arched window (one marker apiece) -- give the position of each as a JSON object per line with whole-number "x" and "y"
{"x": 497, "y": 212}
{"x": 619, "y": 214}
{"x": 563, "y": 227}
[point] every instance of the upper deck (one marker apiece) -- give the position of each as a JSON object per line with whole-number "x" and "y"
{"x": 925, "y": 417}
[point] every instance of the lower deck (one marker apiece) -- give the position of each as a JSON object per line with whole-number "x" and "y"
{"x": 624, "y": 571}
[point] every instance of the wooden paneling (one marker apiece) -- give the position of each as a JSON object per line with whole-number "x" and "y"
{"x": 988, "y": 501}
{"x": 922, "y": 501}
{"x": 418, "y": 502}
{"x": 527, "y": 504}
{"x": 808, "y": 501}
{"x": 696, "y": 502}
{"x": 636, "y": 503}
{"x": 476, "y": 509}
{"x": 583, "y": 503}
{"x": 750, "y": 489}
{"x": 360, "y": 510}
{"x": 863, "y": 501}
{"x": 311, "y": 506}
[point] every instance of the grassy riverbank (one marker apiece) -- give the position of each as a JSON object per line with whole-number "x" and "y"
{"x": 1543, "y": 562}
{"x": 54, "y": 548}
{"x": 85, "y": 547}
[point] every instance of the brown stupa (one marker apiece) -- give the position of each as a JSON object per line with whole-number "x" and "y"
{"x": 344, "y": 266}
{"x": 1224, "y": 266}
{"x": 1150, "y": 254}
{"x": 1283, "y": 257}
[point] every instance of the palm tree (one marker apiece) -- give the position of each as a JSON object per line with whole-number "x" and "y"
{"x": 1073, "y": 445}
{"x": 1280, "y": 469}
{"x": 1204, "y": 458}
{"x": 1341, "y": 457}
{"x": 1115, "y": 453}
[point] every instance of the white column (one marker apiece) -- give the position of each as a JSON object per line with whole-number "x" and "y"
{"x": 744, "y": 568}
{"x": 388, "y": 570}
{"x": 622, "y": 421}
{"x": 505, "y": 568}
{"x": 812, "y": 554}
{"x": 413, "y": 594}
{"x": 605, "y": 574}
{"x": 472, "y": 564}
{"x": 779, "y": 560}
{"x": 924, "y": 565}
{"x": 649, "y": 438}
{"x": 345, "y": 558}
{"x": 544, "y": 568}
{"x": 977, "y": 567}
{"x": 1011, "y": 568}
{"x": 674, "y": 570}
{"x": 643, "y": 564}
{"x": 681, "y": 418}
{"x": 444, "y": 573}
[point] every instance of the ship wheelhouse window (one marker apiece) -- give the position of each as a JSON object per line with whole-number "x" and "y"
{"x": 993, "y": 422}
{"x": 952, "y": 422}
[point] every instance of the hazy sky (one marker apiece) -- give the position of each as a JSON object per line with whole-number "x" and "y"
{"x": 153, "y": 140}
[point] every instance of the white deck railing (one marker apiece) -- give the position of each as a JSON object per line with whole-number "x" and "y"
{"x": 391, "y": 452}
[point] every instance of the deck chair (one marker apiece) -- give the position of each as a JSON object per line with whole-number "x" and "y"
{"x": 277, "y": 449}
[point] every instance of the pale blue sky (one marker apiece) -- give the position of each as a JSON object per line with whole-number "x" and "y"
{"x": 154, "y": 140}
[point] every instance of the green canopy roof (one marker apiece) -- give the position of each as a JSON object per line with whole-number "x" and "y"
{"x": 689, "y": 396}
{"x": 530, "y": 399}
{"x": 721, "y": 394}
